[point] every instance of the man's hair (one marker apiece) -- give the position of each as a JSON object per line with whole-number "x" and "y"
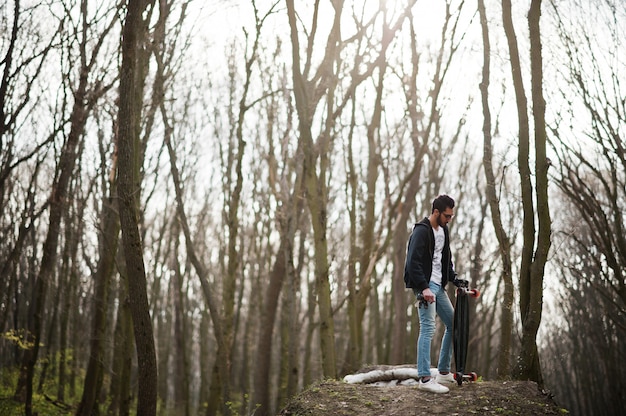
{"x": 442, "y": 202}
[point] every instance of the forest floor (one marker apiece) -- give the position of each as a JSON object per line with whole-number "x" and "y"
{"x": 477, "y": 398}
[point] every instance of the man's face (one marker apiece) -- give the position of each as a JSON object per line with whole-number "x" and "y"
{"x": 445, "y": 217}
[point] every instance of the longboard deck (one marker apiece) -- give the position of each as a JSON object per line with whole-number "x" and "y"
{"x": 461, "y": 333}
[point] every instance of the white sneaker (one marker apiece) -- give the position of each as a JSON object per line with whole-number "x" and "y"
{"x": 446, "y": 378}
{"x": 432, "y": 386}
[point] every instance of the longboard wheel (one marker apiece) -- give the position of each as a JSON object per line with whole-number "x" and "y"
{"x": 474, "y": 293}
{"x": 460, "y": 377}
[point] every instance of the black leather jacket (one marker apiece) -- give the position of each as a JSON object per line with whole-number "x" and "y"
{"x": 419, "y": 257}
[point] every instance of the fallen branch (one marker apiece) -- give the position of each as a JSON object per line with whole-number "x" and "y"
{"x": 388, "y": 374}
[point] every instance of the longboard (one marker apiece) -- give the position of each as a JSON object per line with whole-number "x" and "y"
{"x": 461, "y": 333}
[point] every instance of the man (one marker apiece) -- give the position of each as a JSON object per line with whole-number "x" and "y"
{"x": 427, "y": 270}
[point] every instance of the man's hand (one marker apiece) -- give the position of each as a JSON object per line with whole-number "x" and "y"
{"x": 428, "y": 295}
{"x": 460, "y": 282}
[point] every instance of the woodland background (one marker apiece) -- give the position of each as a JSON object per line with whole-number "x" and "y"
{"x": 204, "y": 206}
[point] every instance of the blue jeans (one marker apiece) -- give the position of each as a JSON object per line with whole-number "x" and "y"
{"x": 443, "y": 308}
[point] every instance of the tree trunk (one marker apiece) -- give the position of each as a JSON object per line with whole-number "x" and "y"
{"x": 288, "y": 220}
{"x": 531, "y": 307}
{"x": 263, "y": 360}
{"x": 181, "y": 339}
{"x": 132, "y": 77}
{"x": 217, "y": 387}
{"x": 316, "y": 196}
{"x": 205, "y": 357}
{"x": 532, "y": 263}
{"x": 398, "y": 318}
{"x": 53, "y": 324}
{"x": 73, "y": 233}
{"x": 120, "y": 387}
{"x": 58, "y": 204}
{"x": 290, "y": 328}
{"x": 309, "y": 349}
{"x": 108, "y": 243}
{"x": 494, "y": 204}
{"x": 360, "y": 286}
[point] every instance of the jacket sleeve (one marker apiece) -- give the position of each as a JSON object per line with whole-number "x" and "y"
{"x": 450, "y": 273}
{"x": 414, "y": 275}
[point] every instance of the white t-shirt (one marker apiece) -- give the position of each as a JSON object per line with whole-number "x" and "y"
{"x": 440, "y": 239}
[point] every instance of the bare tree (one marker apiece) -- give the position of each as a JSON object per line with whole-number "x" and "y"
{"x": 531, "y": 285}
{"x": 533, "y": 258}
{"x": 287, "y": 188}
{"x": 424, "y": 123}
{"x": 220, "y": 389}
{"x": 19, "y": 73}
{"x": 26, "y": 49}
{"x": 132, "y": 78}
{"x": 85, "y": 96}
{"x": 367, "y": 249}
{"x": 590, "y": 171}
{"x": 307, "y": 96}
{"x": 504, "y": 242}
{"x": 107, "y": 244}
{"x": 120, "y": 391}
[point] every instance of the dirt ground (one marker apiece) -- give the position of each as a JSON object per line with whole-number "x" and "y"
{"x": 331, "y": 398}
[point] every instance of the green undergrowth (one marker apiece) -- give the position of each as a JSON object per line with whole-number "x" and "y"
{"x": 43, "y": 402}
